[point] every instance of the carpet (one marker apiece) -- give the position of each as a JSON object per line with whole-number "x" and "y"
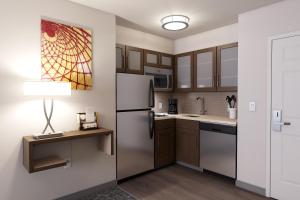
{"x": 114, "y": 193}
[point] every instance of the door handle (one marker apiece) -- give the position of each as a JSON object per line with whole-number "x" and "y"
{"x": 151, "y": 95}
{"x": 151, "y": 123}
{"x": 277, "y": 122}
{"x": 283, "y": 123}
{"x": 287, "y": 123}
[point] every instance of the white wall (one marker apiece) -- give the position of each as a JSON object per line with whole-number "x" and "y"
{"x": 254, "y": 29}
{"x": 20, "y": 115}
{"x": 216, "y": 37}
{"x": 143, "y": 40}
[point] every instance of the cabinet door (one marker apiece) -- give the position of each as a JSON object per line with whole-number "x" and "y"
{"x": 184, "y": 72}
{"x": 151, "y": 58}
{"x": 120, "y": 58}
{"x": 187, "y": 142}
{"x": 205, "y": 70}
{"x": 166, "y": 60}
{"x": 134, "y": 60}
{"x": 165, "y": 147}
{"x": 227, "y": 59}
{"x": 164, "y": 142}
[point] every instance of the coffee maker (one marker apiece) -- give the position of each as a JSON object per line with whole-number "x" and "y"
{"x": 172, "y": 109}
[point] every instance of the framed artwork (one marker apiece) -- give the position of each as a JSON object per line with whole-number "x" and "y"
{"x": 66, "y": 54}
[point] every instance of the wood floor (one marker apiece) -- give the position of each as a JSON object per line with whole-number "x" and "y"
{"x": 180, "y": 183}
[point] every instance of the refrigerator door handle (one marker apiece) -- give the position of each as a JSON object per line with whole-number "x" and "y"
{"x": 151, "y": 123}
{"x": 151, "y": 95}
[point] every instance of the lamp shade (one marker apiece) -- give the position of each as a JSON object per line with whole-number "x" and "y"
{"x": 47, "y": 88}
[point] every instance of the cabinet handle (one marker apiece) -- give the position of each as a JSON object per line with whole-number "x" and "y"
{"x": 215, "y": 80}
{"x": 123, "y": 61}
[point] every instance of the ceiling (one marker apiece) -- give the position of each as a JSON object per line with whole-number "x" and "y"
{"x": 145, "y": 15}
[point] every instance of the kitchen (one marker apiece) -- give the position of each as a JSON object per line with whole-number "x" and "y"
{"x": 176, "y": 109}
{"x": 150, "y": 100}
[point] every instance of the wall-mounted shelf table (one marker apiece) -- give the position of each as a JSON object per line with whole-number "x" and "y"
{"x": 105, "y": 144}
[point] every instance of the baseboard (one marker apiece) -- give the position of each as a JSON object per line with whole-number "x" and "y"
{"x": 93, "y": 190}
{"x": 251, "y": 188}
{"x": 189, "y": 166}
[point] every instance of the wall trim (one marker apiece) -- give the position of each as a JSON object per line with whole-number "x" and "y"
{"x": 86, "y": 192}
{"x": 251, "y": 188}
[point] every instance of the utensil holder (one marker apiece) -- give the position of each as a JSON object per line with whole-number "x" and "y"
{"x": 232, "y": 113}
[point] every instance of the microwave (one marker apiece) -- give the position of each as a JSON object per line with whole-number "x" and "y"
{"x": 163, "y": 78}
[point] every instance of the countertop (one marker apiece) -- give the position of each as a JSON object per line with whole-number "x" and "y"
{"x": 201, "y": 118}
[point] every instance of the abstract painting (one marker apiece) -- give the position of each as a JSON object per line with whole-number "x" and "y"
{"x": 66, "y": 54}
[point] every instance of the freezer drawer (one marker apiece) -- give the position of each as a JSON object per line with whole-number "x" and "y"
{"x": 135, "y": 144}
{"x": 218, "y": 149}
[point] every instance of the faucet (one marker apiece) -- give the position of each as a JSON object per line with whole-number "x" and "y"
{"x": 202, "y": 109}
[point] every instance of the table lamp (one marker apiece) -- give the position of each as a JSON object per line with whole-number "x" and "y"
{"x": 47, "y": 89}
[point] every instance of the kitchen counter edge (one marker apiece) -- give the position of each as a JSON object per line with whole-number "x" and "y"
{"x": 208, "y": 118}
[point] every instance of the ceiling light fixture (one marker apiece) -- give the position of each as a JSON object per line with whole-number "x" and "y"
{"x": 175, "y": 22}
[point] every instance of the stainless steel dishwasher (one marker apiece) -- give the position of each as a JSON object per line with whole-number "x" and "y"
{"x": 218, "y": 148}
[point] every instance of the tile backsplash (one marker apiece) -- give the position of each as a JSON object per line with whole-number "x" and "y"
{"x": 162, "y": 97}
{"x": 215, "y": 103}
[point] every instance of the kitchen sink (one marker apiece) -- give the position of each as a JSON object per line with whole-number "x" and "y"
{"x": 191, "y": 115}
{"x": 160, "y": 115}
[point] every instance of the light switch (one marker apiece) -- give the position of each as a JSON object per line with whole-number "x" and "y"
{"x": 160, "y": 105}
{"x": 252, "y": 106}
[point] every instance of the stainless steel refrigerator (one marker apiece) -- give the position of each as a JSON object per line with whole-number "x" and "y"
{"x": 135, "y": 124}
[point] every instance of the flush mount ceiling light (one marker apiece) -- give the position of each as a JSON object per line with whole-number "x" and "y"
{"x": 175, "y": 22}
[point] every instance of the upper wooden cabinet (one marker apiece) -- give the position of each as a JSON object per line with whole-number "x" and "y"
{"x": 151, "y": 58}
{"x": 212, "y": 69}
{"x": 157, "y": 59}
{"x": 184, "y": 72}
{"x": 205, "y": 69}
{"x": 134, "y": 60}
{"x": 120, "y": 58}
{"x": 166, "y": 60}
{"x": 227, "y": 62}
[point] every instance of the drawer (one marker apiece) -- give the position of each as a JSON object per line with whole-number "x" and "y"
{"x": 187, "y": 124}
{"x": 164, "y": 124}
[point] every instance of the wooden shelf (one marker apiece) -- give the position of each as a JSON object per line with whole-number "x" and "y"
{"x": 70, "y": 136}
{"x": 105, "y": 144}
{"x": 48, "y": 163}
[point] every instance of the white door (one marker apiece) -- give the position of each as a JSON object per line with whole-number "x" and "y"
{"x": 285, "y": 138}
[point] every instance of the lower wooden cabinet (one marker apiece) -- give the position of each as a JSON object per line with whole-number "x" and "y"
{"x": 187, "y": 142}
{"x": 164, "y": 142}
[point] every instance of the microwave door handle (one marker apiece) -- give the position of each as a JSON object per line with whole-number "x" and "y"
{"x": 151, "y": 95}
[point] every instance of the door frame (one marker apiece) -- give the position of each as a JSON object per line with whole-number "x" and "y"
{"x": 269, "y": 106}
